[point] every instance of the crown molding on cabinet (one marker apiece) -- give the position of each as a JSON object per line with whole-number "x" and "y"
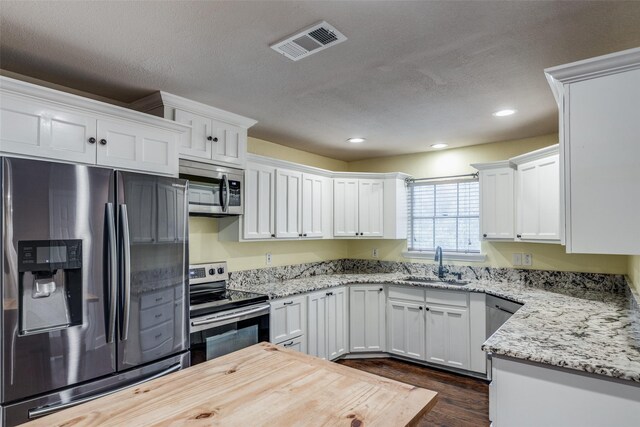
{"x": 492, "y": 165}
{"x": 68, "y": 100}
{"x": 590, "y": 68}
{"x": 534, "y": 155}
{"x": 164, "y": 99}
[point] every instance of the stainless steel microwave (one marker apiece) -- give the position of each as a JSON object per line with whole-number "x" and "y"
{"x": 213, "y": 190}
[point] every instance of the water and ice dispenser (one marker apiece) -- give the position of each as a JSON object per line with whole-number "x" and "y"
{"x": 50, "y": 285}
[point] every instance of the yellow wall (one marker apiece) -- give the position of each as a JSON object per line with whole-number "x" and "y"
{"x": 634, "y": 271}
{"x": 205, "y": 247}
{"x": 456, "y": 161}
{"x": 203, "y": 232}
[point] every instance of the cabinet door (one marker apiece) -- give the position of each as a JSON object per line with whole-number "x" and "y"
{"x": 406, "y": 329}
{"x": 42, "y": 130}
{"x": 197, "y": 144}
{"x": 367, "y": 319}
{"x": 288, "y": 203}
{"x": 337, "y": 323}
{"x": 448, "y": 336}
{"x": 370, "y": 207}
{"x": 129, "y": 145}
{"x": 345, "y": 207}
{"x": 312, "y": 205}
{"x": 602, "y": 149}
{"x": 497, "y": 203}
{"x": 436, "y": 335}
{"x": 317, "y": 324}
{"x": 288, "y": 318}
{"x": 231, "y": 144}
{"x": 539, "y": 199}
{"x": 259, "y": 196}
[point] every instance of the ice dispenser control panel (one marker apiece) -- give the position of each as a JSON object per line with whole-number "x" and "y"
{"x": 49, "y": 255}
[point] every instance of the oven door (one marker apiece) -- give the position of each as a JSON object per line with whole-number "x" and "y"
{"x": 216, "y": 335}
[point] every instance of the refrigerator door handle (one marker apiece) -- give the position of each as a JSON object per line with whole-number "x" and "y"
{"x": 46, "y": 410}
{"x": 225, "y": 185}
{"x": 126, "y": 271}
{"x": 113, "y": 271}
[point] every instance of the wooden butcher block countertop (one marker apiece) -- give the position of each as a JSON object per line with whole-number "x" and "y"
{"x": 261, "y": 385}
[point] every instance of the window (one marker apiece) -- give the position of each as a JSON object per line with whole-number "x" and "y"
{"x": 446, "y": 214}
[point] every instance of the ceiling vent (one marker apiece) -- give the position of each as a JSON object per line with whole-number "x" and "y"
{"x": 309, "y": 41}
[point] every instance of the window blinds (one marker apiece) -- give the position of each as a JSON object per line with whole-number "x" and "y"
{"x": 444, "y": 213}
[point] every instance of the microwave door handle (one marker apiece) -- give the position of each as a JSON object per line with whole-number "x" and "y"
{"x": 126, "y": 272}
{"x": 113, "y": 271}
{"x": 225, "y": 185}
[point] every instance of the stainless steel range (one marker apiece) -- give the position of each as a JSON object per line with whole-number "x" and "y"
{"x": 223, "y": 320}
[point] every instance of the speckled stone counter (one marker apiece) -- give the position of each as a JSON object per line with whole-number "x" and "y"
{"x": 585, "y": 322}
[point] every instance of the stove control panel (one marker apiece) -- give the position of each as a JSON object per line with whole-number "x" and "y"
{"x": 205, "y": 273}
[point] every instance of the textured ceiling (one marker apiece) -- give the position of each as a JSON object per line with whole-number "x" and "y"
{"x": 410, "y": 73}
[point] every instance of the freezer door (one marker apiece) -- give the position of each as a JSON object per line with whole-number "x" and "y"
{"x": 153, "y": 236}
{"x": 56, "y": 313}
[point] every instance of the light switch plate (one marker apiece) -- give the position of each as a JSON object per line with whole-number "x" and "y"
{"x": 516, "y": 259}
{"x": 268, "y": 258}
{"x": 527, "y": 259}
{"x": 374, "y": 253}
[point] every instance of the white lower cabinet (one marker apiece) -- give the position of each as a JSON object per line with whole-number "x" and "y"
{"x": 327, "y": 323}
{"x": 367, "y": 318}
{"x": 288, "y": 319}
{"x": 406, "y": 327}
{"x": 297, "y": 344}
{"x": 448, "y": 336}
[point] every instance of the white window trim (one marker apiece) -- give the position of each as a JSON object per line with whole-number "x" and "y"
{"x": 446, "y": 256}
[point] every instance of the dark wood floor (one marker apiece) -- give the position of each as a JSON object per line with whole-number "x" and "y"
{"x": 462, "y": 401}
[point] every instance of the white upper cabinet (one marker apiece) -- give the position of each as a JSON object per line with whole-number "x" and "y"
{"x": 49, "y": 124}
{"x": 538, "y": 195}
{"x": 371, "y": 207}
{"x": 288, "y": 204}
{"x": 259, "y": 197}
{"x": 314, "y": 199}
{"x": 497, "y": 202}
{"x": 599, "y": 103}
{"x": 345, "y": 207}
{"x": 358, "y": 207}
{"x": 216, "y": 136}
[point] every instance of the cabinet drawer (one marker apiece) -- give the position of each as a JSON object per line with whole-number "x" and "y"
{"x": 156, "y": 336}
{"x": 406, "y": 293}
{"x": 153, "y": 299}
{"x": 155, "y": 315}
{"x": 458, "y": 299}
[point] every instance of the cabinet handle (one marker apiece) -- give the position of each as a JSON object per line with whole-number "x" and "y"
{"x": 103, "y": 141}
{"x": 484, "y": 235}
{"x": 92, "y": 140}
{"x": 518, "y": 236}
{"x": 329, "y": 294}
{"x": 290, "y": 343}
{"x": 273, "y": 235}
{"x": 287, "y": 303}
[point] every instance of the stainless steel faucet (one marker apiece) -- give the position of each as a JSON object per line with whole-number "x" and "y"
{"x": 439, "y": 258}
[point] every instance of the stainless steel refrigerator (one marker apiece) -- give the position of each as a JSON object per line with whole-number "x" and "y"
{"x": 94, "y": 283}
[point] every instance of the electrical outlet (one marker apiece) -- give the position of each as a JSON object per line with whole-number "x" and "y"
{"x": 516, "y": 259}
{"x": 527, "y": 259}
{"x": 374, "y": 253}
{"x": 268, "y": 258}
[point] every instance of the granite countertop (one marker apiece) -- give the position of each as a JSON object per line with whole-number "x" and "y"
{"x": 588, "y": 330}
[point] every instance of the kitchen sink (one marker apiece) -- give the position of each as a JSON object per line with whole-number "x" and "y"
{"x": 437, "y": 281}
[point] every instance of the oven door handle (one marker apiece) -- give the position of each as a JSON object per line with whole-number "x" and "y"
{"x": 238, "y": 314}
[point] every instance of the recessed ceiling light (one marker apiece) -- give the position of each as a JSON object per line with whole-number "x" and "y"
{"x": 439, "y": 145}
{"x": 503, "y": 113}
{"x": 356, "y": 140}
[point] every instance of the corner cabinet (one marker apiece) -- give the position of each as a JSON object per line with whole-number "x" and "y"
{"x": 538, "y": 195}
{"x": 599, "y": 106}
{"x": 327, "y": 323}
{"x": 367, "y": 318}
{"x": 497, "y": 200}
{"x": 215, "y": 136}
{"x": 52, "y": 125}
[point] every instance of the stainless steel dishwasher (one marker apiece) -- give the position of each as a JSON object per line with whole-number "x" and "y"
{"x": 498, "y": 311}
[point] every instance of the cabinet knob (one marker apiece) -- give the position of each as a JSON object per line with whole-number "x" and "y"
{"x": 329, "y": 294}
{"x": 304, "y": 235}
{"x": 420, "y": 307}
{"x": 300, "y": 235}
{"x": 92, "y": 140}
{"x": 381, "y": 289}
{"x": 103, "y": 141}
{"x": 357, "y": 234}
{"x": 426, "y": 308}
{"x": 518, "y": 236}
{"x": 211, "y": 138}
{"x": 484, "y": 235}
{"x": 273, "y": 235}
{"x": 362, "y": 234}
